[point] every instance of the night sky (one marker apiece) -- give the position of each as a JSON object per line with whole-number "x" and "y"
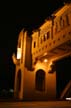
{"x": 14, "y": 17}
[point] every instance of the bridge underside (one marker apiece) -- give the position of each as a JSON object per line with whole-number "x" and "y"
{"x": 59, "y": 52}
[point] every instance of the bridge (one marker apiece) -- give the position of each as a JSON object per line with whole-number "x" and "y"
{"x": 43, "y": 59}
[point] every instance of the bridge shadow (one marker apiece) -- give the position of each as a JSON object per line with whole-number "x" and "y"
{"x": 63, "y": 71}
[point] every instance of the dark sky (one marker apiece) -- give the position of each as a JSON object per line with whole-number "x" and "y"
{"x": 14, "y": 17}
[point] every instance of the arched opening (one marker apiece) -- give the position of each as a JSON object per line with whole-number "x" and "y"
{"x": 40, "y": 80}
{"x": 63, "y": 69}
{"x": 18, "y": 83}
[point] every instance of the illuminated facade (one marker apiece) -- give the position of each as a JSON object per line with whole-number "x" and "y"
{"x": 35, "y": 74}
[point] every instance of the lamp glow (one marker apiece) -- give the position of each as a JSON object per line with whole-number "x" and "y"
{"x": 18, "y": 53}
{"x": 45, "y": 60}
{"x": 68, "y": 98}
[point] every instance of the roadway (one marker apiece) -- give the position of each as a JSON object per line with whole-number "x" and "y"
{"x": 40, "y": 104}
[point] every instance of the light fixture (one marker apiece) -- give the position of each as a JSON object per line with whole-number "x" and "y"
{"x": 45, "y": 60}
